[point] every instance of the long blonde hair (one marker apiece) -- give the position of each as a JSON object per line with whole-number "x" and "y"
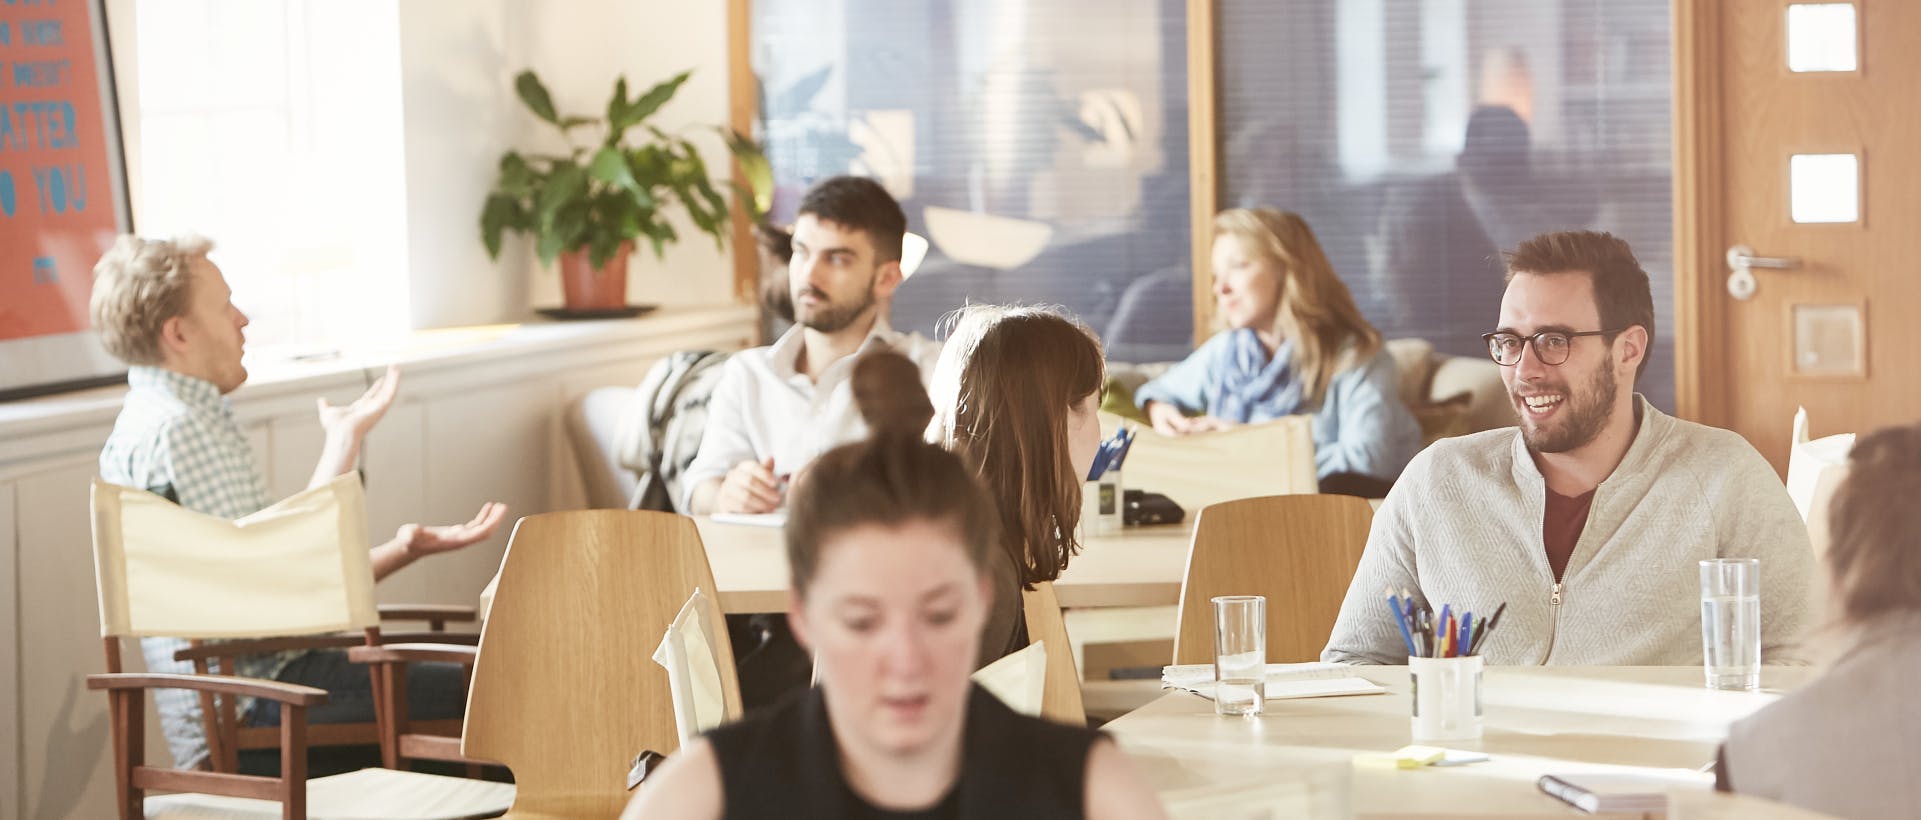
{"x": 1316, "y": 311}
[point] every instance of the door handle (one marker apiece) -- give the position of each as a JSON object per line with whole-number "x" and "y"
{"x": 1741, "y": 265}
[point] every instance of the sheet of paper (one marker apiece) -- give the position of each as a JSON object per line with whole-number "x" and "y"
{"x": 772, "y": 519}
{"x": 1290, "y": 681}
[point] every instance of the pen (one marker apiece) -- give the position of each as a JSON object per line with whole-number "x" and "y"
{"x": 1441, "y": 627}
{"x": 1465, "y": 646}
{"x": 1481, "y": 639}
{"x": 1400, "y": 620}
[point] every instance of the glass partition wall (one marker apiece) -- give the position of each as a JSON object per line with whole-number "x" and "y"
{"x": 1042, "y": 145}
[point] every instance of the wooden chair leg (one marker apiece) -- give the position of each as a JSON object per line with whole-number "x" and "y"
{"x": 396, "y": 712}
{"x": 210, "y": 724}
{"x": 293, "y": 762}
{"x": 129, "y": 714}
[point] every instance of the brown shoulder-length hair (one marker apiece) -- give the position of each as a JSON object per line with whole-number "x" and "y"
{"x": 1006, "y": 380}
{"x": 1316, "y": 312}
{"x": 893, "y": 477}
{"x": 1874, "y": 554}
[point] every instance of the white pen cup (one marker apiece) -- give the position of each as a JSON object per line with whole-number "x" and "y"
{"x": 1447, "y": 698}
{"x": 1101, "y": 505}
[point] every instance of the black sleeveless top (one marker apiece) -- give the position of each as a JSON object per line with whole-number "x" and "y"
{"x": 784, "y": 763}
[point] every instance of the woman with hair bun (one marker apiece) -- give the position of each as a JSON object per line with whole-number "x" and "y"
{"x": 888, "y": 541}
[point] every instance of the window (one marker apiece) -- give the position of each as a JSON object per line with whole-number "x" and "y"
{"x": 1421, "y": 137}
{"x": 1040, "y": 145}
{"x": 274, "y": 129}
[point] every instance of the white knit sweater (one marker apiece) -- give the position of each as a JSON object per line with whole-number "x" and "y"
{"x": 1463, "y": 527}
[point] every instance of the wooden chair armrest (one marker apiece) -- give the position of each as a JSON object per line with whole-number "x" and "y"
{"x": 289, "y": 693}
{"x": 408, "y": 652}
{"x": 432, "y": 613}
{"x": 263, "y": 646}
{"x": 448, "y": 638}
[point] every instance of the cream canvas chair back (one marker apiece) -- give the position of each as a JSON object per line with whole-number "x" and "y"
{"x": 1299, "y": 551}
{"x": 298, "y": 567}
{"x": 565, "y": 693}
{"x": 1271, "y": 458}
{"x": 1018, "y": 679}
{"x": 1815, "y": 467}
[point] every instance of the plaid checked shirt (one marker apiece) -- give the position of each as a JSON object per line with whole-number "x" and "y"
{"x": 176, "y": 437}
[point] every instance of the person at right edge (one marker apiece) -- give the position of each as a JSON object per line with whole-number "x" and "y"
{"x": 1844, "y": 744}
{"x": 1590, "y": 519}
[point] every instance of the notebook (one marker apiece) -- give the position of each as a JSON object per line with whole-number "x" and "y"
{"x": 1622, "y": 792}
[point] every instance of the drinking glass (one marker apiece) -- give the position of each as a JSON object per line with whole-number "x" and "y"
{"x": 1731, "y": 622}
{"x": 1240, "y": 654}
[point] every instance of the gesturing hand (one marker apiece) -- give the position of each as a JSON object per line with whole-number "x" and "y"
{"x": 349, "y": 425}
{"x": 422, "y": 540}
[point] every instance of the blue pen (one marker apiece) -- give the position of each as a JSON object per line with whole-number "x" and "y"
{"x": 1467, "y": 632}
{"x": 1127, "y": 443}
{"x": 1400, "y": 620}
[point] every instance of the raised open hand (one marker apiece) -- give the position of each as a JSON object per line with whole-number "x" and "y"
{"x": 349, "y": 424}
{"x": 423, "y": 540}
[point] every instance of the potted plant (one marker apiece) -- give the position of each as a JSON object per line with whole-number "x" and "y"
{"x": 586, "y": 207}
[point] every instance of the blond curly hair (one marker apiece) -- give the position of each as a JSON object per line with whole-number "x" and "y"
{"x": 138, "y": 285}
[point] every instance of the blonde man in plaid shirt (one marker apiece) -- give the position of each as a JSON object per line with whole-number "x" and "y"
{"x": 164, "y": 309}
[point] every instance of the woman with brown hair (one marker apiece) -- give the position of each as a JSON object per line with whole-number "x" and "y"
{"x": 889, "y": 542}
{"x": 1294, "y": 343}
{"x": 1017, "y": 393}
{"x": 1845, "y": 744}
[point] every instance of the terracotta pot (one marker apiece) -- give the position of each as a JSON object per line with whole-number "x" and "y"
{"x": 590, "y": 288}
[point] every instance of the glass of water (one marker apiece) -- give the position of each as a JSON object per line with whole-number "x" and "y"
{"x": 1731, "y": 622}
{"x": 1240, "y": 654}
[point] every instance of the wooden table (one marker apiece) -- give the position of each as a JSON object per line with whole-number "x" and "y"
{"x": 1537, "y": 720}
{"x": 1139, "y": 566}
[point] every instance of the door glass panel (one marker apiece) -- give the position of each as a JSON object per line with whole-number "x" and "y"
{"x": 1821, "y": 37}
{"x": 1824, "y": 187}
{"x": 1829, "y": 340}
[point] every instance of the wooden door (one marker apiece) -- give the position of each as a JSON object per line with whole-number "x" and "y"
{"x": 1760, "y": 157}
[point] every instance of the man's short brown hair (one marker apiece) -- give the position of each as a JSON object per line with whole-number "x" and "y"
{"x": 1874, "y": 525}
{"x": 138, "y": 285}
{"x": 1620, "y": 284}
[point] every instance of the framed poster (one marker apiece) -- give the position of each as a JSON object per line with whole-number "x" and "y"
{"x": 63, "y": 193}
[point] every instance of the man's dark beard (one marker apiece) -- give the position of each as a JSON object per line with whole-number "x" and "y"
{"x": 1584, "y": 421}
{"x": 828, "y": 317}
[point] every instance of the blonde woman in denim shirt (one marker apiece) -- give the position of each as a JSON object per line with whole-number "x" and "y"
{"x": 1295, "y": 343}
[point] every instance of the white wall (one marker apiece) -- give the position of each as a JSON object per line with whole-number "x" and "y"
{"x": 458, "y": 60}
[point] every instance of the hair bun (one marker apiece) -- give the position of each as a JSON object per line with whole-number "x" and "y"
{"x": 888, "y": 391}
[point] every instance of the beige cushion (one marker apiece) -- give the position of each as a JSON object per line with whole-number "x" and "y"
{"x": 298, "y": 567}
{"x": 687, "y": 653}
{"x": 363, "y": 795}
{"x": 1018, "y": 679}
{"x": 1414, "y": 361}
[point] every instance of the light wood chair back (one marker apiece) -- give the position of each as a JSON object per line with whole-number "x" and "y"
{"x": 1299, "y": 551}
{"x": 565, "y": 691}
{"x": 1061, "y": 698}
{"x": 1270, "y": 458}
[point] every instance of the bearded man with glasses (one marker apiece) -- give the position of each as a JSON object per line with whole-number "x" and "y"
{"x": 1589, "y": 520}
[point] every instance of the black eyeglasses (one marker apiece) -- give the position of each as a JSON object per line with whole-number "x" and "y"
{"x": 1551, "y": 347}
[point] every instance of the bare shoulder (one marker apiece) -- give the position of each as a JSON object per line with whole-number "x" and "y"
{"x": 1115, "y": 789}
{"x": 687, "y": 785}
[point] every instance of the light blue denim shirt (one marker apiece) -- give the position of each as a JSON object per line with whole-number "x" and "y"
{"x": 1360, "y": 426}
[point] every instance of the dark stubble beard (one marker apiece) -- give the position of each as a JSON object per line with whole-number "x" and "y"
{"x": 1587, "y": 412}
{"x": 832, "y": 317}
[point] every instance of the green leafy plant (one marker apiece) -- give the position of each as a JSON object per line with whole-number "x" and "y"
{"x": 602, "y": 194}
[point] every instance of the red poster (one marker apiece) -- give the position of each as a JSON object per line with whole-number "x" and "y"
{"x": 59, "y": 195}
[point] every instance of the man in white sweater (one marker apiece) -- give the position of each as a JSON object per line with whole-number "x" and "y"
{"x": 1588, "y": 520}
